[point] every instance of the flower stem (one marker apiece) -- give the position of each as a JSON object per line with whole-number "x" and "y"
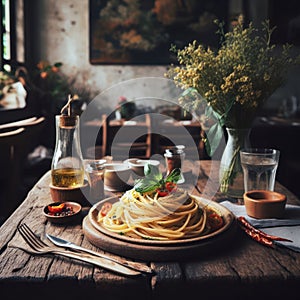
{"x": 229, "y": 174}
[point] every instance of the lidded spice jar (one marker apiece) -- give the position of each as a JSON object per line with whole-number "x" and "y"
{"x": 174, "y": 159}
{"x": 95, "y": 173}
{"x": 67, "y": 169}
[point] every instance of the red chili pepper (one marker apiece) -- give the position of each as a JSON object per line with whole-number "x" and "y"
{"x": 170, "y": 186}
{"x": 106, "y": 207}
{"x": 247, "y": 225}
{"x": 56, "y": 208}
{"x": 259, "y": 238}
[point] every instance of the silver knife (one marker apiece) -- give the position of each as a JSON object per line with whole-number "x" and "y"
{"x": 97, "y": 261}
{"x": 130, "y": 264}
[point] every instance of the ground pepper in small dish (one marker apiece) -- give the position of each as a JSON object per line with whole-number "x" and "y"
{"x": 62, "y": 212}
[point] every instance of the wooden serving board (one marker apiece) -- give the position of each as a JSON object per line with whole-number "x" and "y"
{"x": 172, "y": 252}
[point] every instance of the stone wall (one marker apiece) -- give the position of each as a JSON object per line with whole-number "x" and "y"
{"x": 61, "y": 33}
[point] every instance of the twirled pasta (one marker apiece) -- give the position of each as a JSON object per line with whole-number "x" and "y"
{"x": 176, "y": 216}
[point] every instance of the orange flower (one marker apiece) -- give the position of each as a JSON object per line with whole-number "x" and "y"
{"x": 42, "y": 64}
{"x": 54, "y": 69}
{"x": 44, "y": 75}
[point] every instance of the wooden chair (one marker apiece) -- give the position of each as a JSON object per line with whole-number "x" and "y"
{"x": 130, "y": 138}
{"x": 93, "y": 137}
{"x": 15, "y": 145}
{"x": 170, "y": 132}
{"x": 18, "y": 123}
{"x": 33, "y": 127}
{"x": 10, "y": 172}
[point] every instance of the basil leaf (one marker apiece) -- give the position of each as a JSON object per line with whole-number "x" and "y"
{"x": 152, "y": 172}
{"x": 174, "y": 176}
{"x": 146, "y": 185}
{"x": 154, "y": 179}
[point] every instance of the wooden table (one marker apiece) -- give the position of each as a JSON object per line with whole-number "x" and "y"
{"x": 242, "y": 270}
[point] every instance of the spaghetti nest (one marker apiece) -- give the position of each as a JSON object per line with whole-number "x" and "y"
{"x": 147, "y": 216}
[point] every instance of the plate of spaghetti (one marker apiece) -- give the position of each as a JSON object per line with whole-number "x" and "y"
{"x": 153, "y": 219}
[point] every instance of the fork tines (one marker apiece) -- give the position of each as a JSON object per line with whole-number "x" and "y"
{"x": 30, "y": 237}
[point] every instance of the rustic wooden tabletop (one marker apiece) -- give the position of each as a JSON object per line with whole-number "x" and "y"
{"x": 240, "y": 268}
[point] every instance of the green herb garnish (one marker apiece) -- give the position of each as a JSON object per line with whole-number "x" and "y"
{"x": 154, "y": 179}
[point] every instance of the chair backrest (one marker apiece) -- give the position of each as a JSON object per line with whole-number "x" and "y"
{"x": 8, "y": 137}
{"x": 33, "y": 131}
{"x": 15, "y": 145}
{"x": 20, "y": 140}
{"x": 170, "y": 132}
{"x": 18, "y": 123}
{"x": 35, "y": 127}
{"x": 148, "y": 136}
{"x": 29, "y": 122}
{"x": 104, "y": 133}
{"x": 93, "y": 137}
{"x": 10, "y": 140}
{"x": 132, "y": 136}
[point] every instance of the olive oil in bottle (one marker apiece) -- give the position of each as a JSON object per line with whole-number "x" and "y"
{"x": 67, "y": 177}
{"x": 67, "y": 169}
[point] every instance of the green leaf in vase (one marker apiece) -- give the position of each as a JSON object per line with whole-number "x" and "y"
{"x": 214, "y": 136}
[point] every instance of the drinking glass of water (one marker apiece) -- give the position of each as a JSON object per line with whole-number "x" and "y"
{"x": 259, "y": 168}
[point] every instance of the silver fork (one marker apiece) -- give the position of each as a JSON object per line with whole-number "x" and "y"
{"x": 130, "y": 264}
{"x": 39, "y": 247}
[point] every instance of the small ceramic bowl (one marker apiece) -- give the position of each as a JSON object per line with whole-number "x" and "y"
{"x": 116, "y": 176}
{"x": 70, "y": 212}
{"x": 63, "y": 194}
{"x": 263, "y": 204}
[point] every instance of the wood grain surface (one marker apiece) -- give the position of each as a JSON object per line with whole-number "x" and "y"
{"x": 243, "y": 269}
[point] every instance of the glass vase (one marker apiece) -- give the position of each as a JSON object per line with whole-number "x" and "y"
{"x": 231, "y": 174}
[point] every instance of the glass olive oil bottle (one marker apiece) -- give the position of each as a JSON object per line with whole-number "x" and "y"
{"x": 67, "y": 169}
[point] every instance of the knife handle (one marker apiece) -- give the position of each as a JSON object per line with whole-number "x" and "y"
{"x": 131, "y": 264}
{"x": 100, "y": 262}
